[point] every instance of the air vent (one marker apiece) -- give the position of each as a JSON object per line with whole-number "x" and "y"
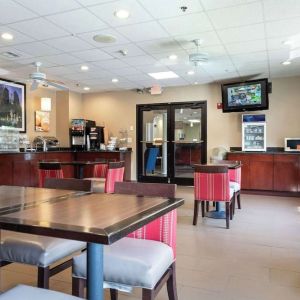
{"x": 9, "y": 54}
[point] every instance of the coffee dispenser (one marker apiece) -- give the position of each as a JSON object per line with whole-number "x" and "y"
{"x": 95, "y": 136}
{"x": 78, "y": 133}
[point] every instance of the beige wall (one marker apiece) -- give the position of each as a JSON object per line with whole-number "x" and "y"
{"x": 75, "y": 106}
{"x": 118, "y": 110}
{"x": 62, "y": 118}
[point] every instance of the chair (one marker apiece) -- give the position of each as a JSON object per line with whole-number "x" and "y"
{"x": 43, "y": 251}
{"x": 25, "y": 292}
{"x": 68, "y": 184}
{"x": 49, "y": 170}
{"x": 145, "y": 258}
{"x": 211, "y": 183}
{"x": 234, "y": 178}
{"x": 115, "y": 172}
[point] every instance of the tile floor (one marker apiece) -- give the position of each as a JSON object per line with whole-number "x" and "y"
{"x": 258, "y": 258}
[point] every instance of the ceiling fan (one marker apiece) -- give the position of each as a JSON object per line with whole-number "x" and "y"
{"x": 40, "y": 78}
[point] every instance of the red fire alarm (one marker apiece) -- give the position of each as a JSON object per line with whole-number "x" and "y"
{"x": 219, "y": 105}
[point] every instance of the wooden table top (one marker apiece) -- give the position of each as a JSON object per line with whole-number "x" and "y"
{"x": 229, "y": 165}
{"x": 99, "y": 218}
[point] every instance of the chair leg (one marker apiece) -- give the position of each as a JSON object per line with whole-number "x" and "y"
{"x": 43, "y": 277}
{"x": 207, "y": 206}
{"x": 196, "y": 210}
{"x": 113, "y": 294}
{"x": 171, "y": 284}
{"x": 147, "y": 294}
{"x": 203, "y": 209}
{"x": 227, "y": 214}
{"x": 238, "y": 196}
{"x": 231, "y": 209}
{"x": 78, "y": 285}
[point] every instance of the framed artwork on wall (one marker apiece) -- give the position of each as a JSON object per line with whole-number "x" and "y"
{"x": 12, "y": 105}
{"x": 42, "y": 121}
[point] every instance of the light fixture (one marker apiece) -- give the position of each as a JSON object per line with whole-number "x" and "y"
{"x": 172, "y": 57}
{"x": 287, "y": 42}
{"x": 86, "y": 88}
{"x": 196, "y": 82}
{"x": 286, "y": 63}
{"x": 194, "y": 120}
{"x": 122, "y": 13}
{"x": 115, "y": 80}
{"x": 191, "y": 72}
{"x": 45, "y": 104}
{"x": 7, "y": 36}
{"x": 163, "y": 75}
{"x": 84, "y": 68}
{"x": 104, "y": 38}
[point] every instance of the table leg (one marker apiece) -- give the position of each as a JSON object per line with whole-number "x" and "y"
{"x": 216, "y": 214}
{"x": 78, "y": 171}
{"x": 95, "y": 271}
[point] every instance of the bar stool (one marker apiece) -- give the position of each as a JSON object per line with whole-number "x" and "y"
{"x": 49, "y": 170}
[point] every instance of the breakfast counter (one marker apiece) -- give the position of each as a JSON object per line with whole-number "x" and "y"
{"x": 21, "y": 168}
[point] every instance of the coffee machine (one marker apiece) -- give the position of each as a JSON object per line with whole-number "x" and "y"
{"x": 78, "y": 133}
{"x": 95, "y": 136}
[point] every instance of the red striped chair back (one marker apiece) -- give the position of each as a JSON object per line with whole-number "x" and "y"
{"x": 162, "y": 229}
{"x": 211, "y": 183}
{"x": 115, "y": 173}
{"x": 49, "y": 170}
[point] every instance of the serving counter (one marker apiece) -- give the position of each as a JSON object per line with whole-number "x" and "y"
{"x": 22, "y": 168}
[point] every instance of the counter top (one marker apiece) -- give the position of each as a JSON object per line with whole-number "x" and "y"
{"x": 66, "y": 151}
{"x": 265, "y": 152}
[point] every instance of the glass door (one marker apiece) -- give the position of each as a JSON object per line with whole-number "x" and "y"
{"x": 153, "y": 122}
{"x": 171, "y": 138}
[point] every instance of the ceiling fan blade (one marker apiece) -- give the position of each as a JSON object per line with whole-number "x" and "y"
{"x": 34, "y": 85}
{"x": 56, "y": 85}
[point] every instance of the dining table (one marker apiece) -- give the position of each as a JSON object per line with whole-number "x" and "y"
{"x": 98, "y": 219}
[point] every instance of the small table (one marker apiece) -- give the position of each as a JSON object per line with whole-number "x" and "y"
{"x": 79, "y": 166}
{"x": 218, "y": 213}
{"x": 94, "y": 218}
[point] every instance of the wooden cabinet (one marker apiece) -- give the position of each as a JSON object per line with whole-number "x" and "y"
{"x": 269, "y": 172}
{"x": 6, "y": 169}
{"x": 286, "y": 172}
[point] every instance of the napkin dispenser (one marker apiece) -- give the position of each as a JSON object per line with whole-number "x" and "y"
{"x": 292, "y": 144}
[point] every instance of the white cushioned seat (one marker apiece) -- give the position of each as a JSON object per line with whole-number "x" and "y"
{"x": 36, "y": 250}
{"x": 235, "y": 186}
{"x": 98, "y": 184}
{"x": 131, "y": 262}
{"x": 231, "y": 192}
{"x": 24, "y": 292}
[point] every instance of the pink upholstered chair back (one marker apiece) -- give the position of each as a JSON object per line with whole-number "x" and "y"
{"x": 100, "y": 170}
{"x": 115, "y": 173}
{"x": 162, "y": 229}
{"x": 211, "y": 183}
{"x": 49, "y": 170}
{"x": 234, "y": 174}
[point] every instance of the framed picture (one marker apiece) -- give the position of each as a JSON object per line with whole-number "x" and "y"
{"x": 13, "y": 105}
{"x": 42, "y": 121}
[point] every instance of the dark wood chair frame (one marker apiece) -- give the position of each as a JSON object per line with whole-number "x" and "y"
{"x": 169, "y": 277}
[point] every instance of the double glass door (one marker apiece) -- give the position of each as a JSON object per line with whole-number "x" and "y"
{"x": 171, "y": 138}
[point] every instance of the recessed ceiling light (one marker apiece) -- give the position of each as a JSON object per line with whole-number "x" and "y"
{"x": 196, "y": 82}
{"x": 104, "y": 38}
{"x": 173, "y": 57}
{"x": 115, "y": 80}
{"x": 163, "y": 75}
{"x": 191, "y": 72}
{"x": 288, "y": 42}
{"x": 286, "y": 63}
{"x": 7, "y": 36}
{"x": 86, "y": 88}
{"x": 84, "y": 68}
{"x": 122, "y": 13}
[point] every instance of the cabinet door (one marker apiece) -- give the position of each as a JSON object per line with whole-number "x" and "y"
{"x": 245, "y": 160}
{"x": 286, "y": 172}
{"x": 6, "y": 170}
{"x": 261, "y": 172}
{"x": 21, "y": 173}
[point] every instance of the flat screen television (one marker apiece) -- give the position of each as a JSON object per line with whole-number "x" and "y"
{"x": 245, "y": 96}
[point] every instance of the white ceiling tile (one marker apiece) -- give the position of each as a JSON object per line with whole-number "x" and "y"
{"x": 138, "y": 77}
{"x": 242, "y": 66}
{"x": 59, "y": 70}
{"x": 19, "y": 38}
{"x": 106, "y": 12}
{"x": 228, "y": 75}
{"x": 99, "y": 81}
{"x": 143, "y": 31}
{"x": 153, "y": 68}
{"x": 140, "y": 60}
{"x": 21, "y": 54}
{"x": 39, "y": 29}
{"x": 77, "y": 21}
{"x": 92, "y": 55}
{"x": 253, "y": 72}
{"x": 30, "y": 61}
{"x": 277, "y": 9}
{"x": 277, "y": 43}
{"x": 88, "y": 37}
{"x": 208, "y": 38}
{"x": 215, "y": 4}
{"x": 242, "y": 33}
{"x": 131, "y": 49}
{"x": 170, "y": 8}
{"x": 283, "y": 28}
{"x": 126, "y": 71}
{"x": 250, "y": 57}
{"x": 278, "y": 56}
{"x": 37, "y": 49}
{"x": 160, "y": 45}
{"x": 63, "y": 59}
{"x": 188, "y": 24}
{"x": 13, "y": 12}
{"x": 80, "y": 76}
{"x": 246, "y": 47}
{"x": 173, "y": 82}
{"x": 46, "y": 7}
{"x": 211, "y": 51}
{"x": 69, "y": 43}
{"x": 237, "y": 16}
{"x": 111, "y": 64}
